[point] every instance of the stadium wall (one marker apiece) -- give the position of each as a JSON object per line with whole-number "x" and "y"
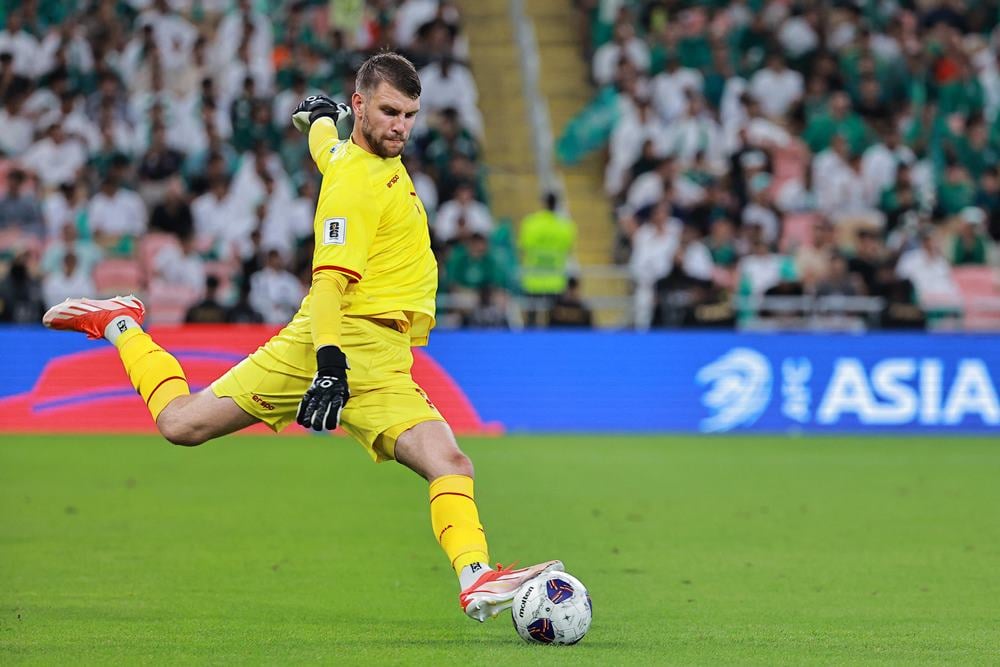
{"x": 492, "y": 382}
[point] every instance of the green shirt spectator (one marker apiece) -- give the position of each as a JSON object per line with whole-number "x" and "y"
{"x": 956, "y": 190}
{"x": 970, "y": 245}
{"x": 546, "y": 240}
{"x": 472, "y": 266}
{"x": 837, "y": 119}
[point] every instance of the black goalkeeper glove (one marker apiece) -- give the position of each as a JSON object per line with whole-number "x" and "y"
{"x": 317, "y": 106}
{"x": 320, "y": 407}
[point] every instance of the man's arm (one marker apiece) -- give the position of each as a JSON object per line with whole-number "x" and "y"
{"x": 317, "y": 116}
{"x": 323, "y": 402}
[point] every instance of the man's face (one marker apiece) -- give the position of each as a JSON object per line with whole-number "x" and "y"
{"x": 386, "y": 116}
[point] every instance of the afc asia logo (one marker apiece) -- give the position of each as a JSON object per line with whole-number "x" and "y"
{"x": 890, "y": 392}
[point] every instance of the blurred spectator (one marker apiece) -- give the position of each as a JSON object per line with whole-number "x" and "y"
{"x": 86, "y": 252}
{"x": 930, "y": 273}
{"x": 16, "y": 40}
{"x": 157, "y": 166}
{"x": 21, "y": 300}
{"x": 57, "y": 158}
{"x": 18, "y": 126}
{"x": 761, "y": 210}
{"x": 274, "y": 292}
{"x": 477, "y": 282}
{"x": 71, "y": 281}
{"x": 19, "y": 208}
{"x": 116, "y": 216}
{"x": 838, "y": 281}
{"x": 654, "y": 245}
{"x": 569, "y": 310}
{"x": 448, "y": 84}
{"x": 971, "y": 244}
{"x": 173, "y": 215}
{"x": 208, "y": 310}
{"x": 624, "y": 45}
{"x": 776, "y": 87}
{"x": 462, "y": 216}
{"x": 242, "y": 312}
{"x": 545, "y": 241}
{"x": 180, "y": 264}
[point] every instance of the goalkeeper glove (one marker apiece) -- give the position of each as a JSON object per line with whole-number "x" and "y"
{"x": 320, "y": 407}
{"x": 317, "y": 106}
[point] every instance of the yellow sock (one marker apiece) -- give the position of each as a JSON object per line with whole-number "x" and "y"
{"x": 154, "y": 372}
{"x": 455, "y": 521}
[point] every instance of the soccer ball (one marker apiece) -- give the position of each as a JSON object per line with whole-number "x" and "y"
{"x": 552, "y": 608}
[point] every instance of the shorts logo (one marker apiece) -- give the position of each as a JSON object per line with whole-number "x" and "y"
{"x": 334, "y": 231}
{"x": 264, "y": 404}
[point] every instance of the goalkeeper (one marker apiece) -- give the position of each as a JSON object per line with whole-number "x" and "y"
{"x": 345, "y": 357}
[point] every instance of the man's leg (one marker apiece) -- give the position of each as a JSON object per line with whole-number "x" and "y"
{"x": 430, "y": 450}
{"x": 156, "y": 375}
{"x": 196, "y": 418}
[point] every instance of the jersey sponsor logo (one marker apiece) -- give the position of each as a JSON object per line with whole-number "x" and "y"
{"x": 264, "y": 404}
{"x": 334, "y": 231}
{"x": 392, "y": 181}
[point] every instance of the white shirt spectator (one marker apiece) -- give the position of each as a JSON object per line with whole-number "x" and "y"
{"x": 275, "y": 294}
{"x": 653, "y": 248}
{"x": 690, "y": 135}
{"x": 174, "y": 266}
{"x": 56, "y": 159}
{"x": 79, "y": 54}
{"x": 634, "y": 129}
{"x": 606, "y": 59}
{"x": 17, "y": 130}
{"x": 77, "y": 123}
{"x": 931, "y": 276}
{"x": 797, "y": 36}
{"x": 879, "y": 165}
{"x": 174, "y": 35}
{"x": 474, "y": 213}
{"x": 648, "y": 189}
{"x": 230, "y": 34}
{"x": 410, "y": 16}
{"x": 669, "y": 91}
{"x": 989, "y": 79}
{"x": 765, "y": 218}
{"x": 59, "y": 286}
{"x": 118, "y": 214}
{"x": 776, "y": 90}
{"x": 24, "y": 47}
{"x": 456, "y": 89}
{"x": 732, "y": 114}
{"x": 761, "y": 272}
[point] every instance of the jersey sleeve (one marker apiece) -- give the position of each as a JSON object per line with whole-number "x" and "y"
{"x": 347, "y": 218}
{"x": 322, "y": 138}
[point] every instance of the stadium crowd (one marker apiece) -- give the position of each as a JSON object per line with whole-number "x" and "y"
{"x": 146, "y": 145}
{"x": 823, "y": 151}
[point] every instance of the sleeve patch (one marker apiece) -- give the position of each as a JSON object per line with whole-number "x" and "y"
{"x": 334, "y": 231}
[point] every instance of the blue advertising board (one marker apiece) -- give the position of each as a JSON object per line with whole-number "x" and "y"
{"x": 662, "y": 382}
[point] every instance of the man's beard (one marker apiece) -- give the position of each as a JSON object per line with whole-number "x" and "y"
{"x": 380, "y": 148}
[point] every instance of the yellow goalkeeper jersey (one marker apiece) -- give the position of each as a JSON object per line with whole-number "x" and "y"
{"x": 371, "y": 227}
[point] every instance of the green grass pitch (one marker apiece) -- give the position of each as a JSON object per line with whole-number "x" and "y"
{"x": 696, "y": 550}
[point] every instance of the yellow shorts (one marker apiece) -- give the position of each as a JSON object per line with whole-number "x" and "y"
{"x": 385, "y": 401}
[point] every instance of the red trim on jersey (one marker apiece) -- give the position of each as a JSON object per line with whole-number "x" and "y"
{"x": 157, "y": 388}
{"x": 347, "y": 272}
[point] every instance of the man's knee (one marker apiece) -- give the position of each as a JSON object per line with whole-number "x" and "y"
{"x": 458, "y": 463}
{"x": 178, "y": 429}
